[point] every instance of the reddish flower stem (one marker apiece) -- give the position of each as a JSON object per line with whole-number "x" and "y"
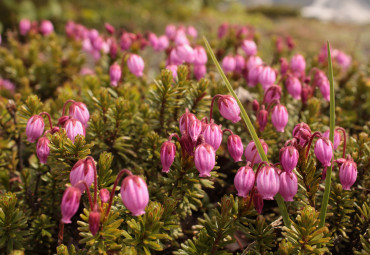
{"x": 95, "y": 181}
{"x": 227, "y": 130}
{"x": 254, "y": 184}
{"x": 123, "y": 171}
{"x": 61, "y": 233}
{"x": 65, "y": 105}
{"x": 87, "y": 191}
{"x": 173, "y": 135}
{"x": 275, "y": 101}
{"x": 318, "y": 134}
{"x": 344, "y": 140}
{"x": 211, "y": 109}
{"x": 48, "y": 115}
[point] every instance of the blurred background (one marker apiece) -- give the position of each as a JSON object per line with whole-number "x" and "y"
{"x": 346, "y": 24}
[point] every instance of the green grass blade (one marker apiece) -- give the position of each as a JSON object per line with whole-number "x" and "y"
{"x": 251, "y": 130}
{"x": 325, "y": 199}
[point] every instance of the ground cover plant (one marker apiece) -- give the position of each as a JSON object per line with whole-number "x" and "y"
{"x": 121, "y": 142}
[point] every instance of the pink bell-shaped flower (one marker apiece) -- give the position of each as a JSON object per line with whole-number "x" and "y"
{"x": 135, "y": 194}
{"x": 83, "y": 170}
{"x": 125, "y": 41}
{"x": 200, "y": 71}
{"x": 191, "y": 31}
{"x": 272, "y": 93}
{"x": 294, "y": 87}
{"x": 135, "y": 64}
{"x": 229, "y": 108}
{"x": 324, "y": 151}
{"x": 288, "y": 185}
{"x": 185, "y": 120}
{"x": 168, "y": 151}
{"x": 204, "y": 159}
{"x": 24, "y": 26}
{"x": 228, "y": 64}
{"x": 174, "y": 59}
{"x": 268, "y": 182}
{"x": 73, "y": 128}
{"x": 104, "y": 195}
{"x": 235, "y": 147}
{"x": 244, "y": 180}
{"x": 185, "y": 53}
{"x": 195, "y": 129}
{"x": 171, "y": 31}
{"x": 79, "y": 111}
{"x": 253, "y": 75}
{"x": 70, "y": 203}
{"x": 289, "y": 157}
{"x": 213, "y": 135}
{"x": 348, "y": 173}
{"x": 267, "y": 77}
{"x": 46, "y": 27}
{"x": 249, "y": 47}
{"x": 35, "y": 128}
{"x": 163, "y": 43}
{"x": 253, "y": 61}
{"x": 239, "y": 64}
{"x": 302, "y": 132}
{"x": 279, "y": 117}
{"x": 297, "y": 65}
{"x": 115, "y": 74}
{"x": 262, "y": 118}
{"x": 200, "y": 56}
{"x": 337, "y": 137}
{"x": 251, "y": 152}
{"x": 94, "y": 221}
{"x": 42, "y": 149}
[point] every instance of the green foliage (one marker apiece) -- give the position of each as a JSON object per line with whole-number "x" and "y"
{"x": 363, "y": 230}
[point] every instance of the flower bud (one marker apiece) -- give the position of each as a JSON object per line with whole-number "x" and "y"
{"x": 79, "y": 111}
{"x": 289, "y": 158}
{"x": 162, "y": 43}
{"x": 229, "y": 108}
{"x": 24, "y": 26}
{"x": 262, "y": 118}
{"x": 181, "y": 38}
{"x": 279, "y": 117}
{"x": 171, "y": 31}
{"x": 297, "y": 65}
{"x": 168, "y": 151}
{"x": 135, "y": 64}
{"x": 194, "y": 129}
{"x": 244, "y": 180}
{"x": 267, "y": 77}
{"x": 200, "y": 56}
{"x": 70, "y": 203}
{"x": 204, "y": 159}
{"x": 228, "y": 64}
{"x": 284, "y": 66}
{"x": 94, "y": 222}
{"x": 115, "y": 74}
{"x": 255, "y": 105}
{"x": 253, "y": 61}
{"x": 73, "y": 128}
{"x": 84, "y": 170}
{"x": 104, "y": 195}
{"x": 110, "y": 29}
{"x": 35, "y": 128}
{"x": 251, "y": 152}
{"x": 125, "y": 41}
{"x": 134, "y": 194}
{"x": 348, "y": 173}
{"x": 185, "y": 53}
{"x": 235, "y": 147}
{"x": 185, "y": 120}
{"x": 46, "y": 27}
{"x": 324, "y": 151}
{"x": 153, "y": 41}
{"x": 191, "y": 31}
{"x": 200, "y": 71}
{"x": 268, "y": 182}
{"x": 222, "y": 30}
{"x": 288, "y": 185}
{"x": 343, "y": 60}
{"x": 294, "y": 87}
{"x": 258, "y": 202}
{"x": 272, "y": 93}
{"x": 239, "y": 64}
{"x": 337, "y": 137}
{"x": 213, "y": 135}
{"x": 174, "y": 59}
{"x": 302, "y": 132}
{"x": 249, "y": 47}
{"x": 42, "y": 149}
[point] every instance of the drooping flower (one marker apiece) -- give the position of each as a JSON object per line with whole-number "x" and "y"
{"x": 249, "y": 47}
{"x": 229, "y": 108}
{"x": 168, "y": 151}
{"x": 279, "y": 117}
{"x": 135, "y": 64}
{"x": 70, "y": 203}
{"x": 289, "y": 157}
{"x": 324, "y": 151}
{"x": 235, "y": 147}
{"x": 134, "y": 194}
{"x": 244, "y": 180}
{"x": 268, "y": 182}
{"x": 79, "y": 111}
{"x": 251, "y": 152}
{"x": 84, "y": 170}
{"x": 213, "y": 135}
{"x": 35, "y": 128}
{"x": 115, "y": 74}
{"x": 73, "y": 128}
{"x": 348, "y": 173}
{"x": 42, "y": 149}
{"x": 204, "y": 159}
{"x": 288, "y": 185}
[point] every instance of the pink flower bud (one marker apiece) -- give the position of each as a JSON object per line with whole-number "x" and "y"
{"x": 42, "y": 149}
{"x": 302, "y": 132}
{"x": 337, "y": 137}
{"x": 200, "y": 71}
{"x": 174, "y": 59}
{"x": 153, "y": 41}
{"x": 173, "y": 69}
{"x": 35, "y": 128}
{"x": 110, "y": 29}
{"x": 185, "y": 120}
{"x": 70, "y": 203}
{"x": 228, "y": 64}
{"x": 46, "y": 27}
{"x": 288, "y": 185}
{"x": 297, "y": 65}
{"x": 222, "y": 30}
{"x": 268, "y": 182}
{"x": 125, "y": 41}
{"x": 324, "y": 151}
{"x": 348, "y": 173}
{"x": 251, "y": 152}
{"x": 94, "y": 222}
{"x": 134, "y": 194}
{"x": 294, "y": 87}
{"x": 185, "y": 53}
{"x": 343, "y": 60}
{"x": 249, "y": 47}
{"x": 258, "y": 202}
{"x": 104, "y": 195}
{"x": 284, "y": 66}
{"x": 171, "y": 31}
{"x": 24, "y": 26}
{"x": 239, "y": 64}
{"x": 180, "y": 38}
{"x": 272, "y": 93}
{"x": 244, "y": 180}
{"x": 83, "y": 170}
{"x": 93, "y": 34}
{"x": 194, "y": 129}
{"x": 235, "y": 147}
{"x": 73, "y": 128}
{"x": 113, "y": 49}
{"x": 135, "y": 64}
{"x": 289, "y": 158}
{"x": 204, "y": 159}
{"x": 255, "y": 105}
{"x": 253, "y": 75}
{"x": 253, "y": 61}
{"x": 79, "y": 111}
{"x": 213, "y": 135}
{"x": 168, "y": 151}
{"x": 279, "y": 117}
{"x": 267, "y": 77}
{"x": 262, "y": 118}
{"x": 162, "y": 43}
{"x": 191, "y": 31}
{"x": 200, "y": 56}
{"x": 115, "y": 74}
{"x": 229, "y": 108}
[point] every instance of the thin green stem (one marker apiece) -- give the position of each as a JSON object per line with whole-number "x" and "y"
{"x": 251, "y": 130}
{"x": 325, "y": 199}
